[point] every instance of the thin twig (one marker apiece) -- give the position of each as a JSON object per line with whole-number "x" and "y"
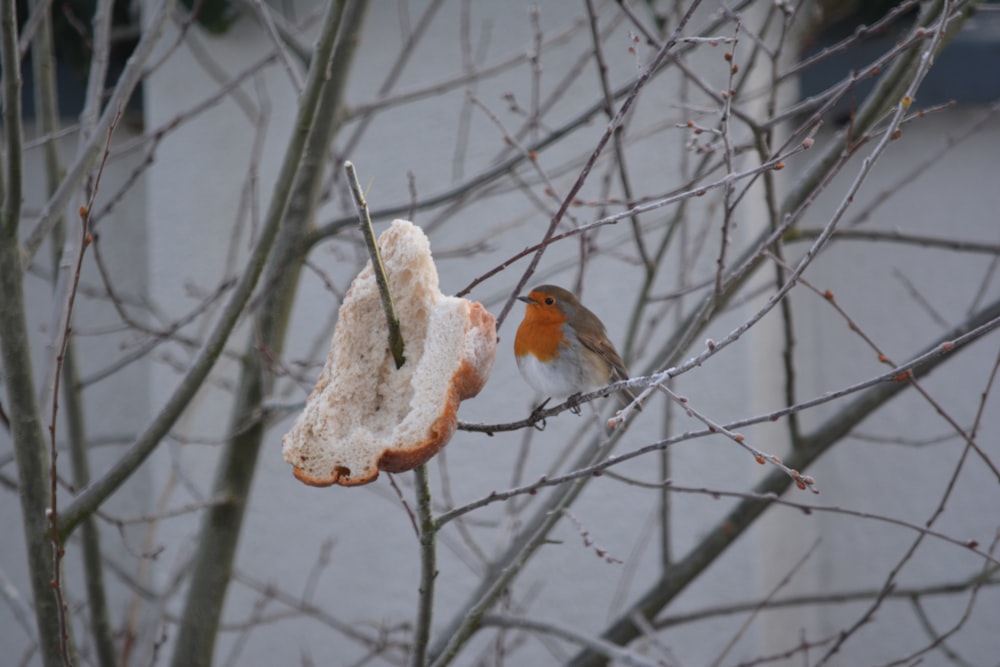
{"x": 727, "y": 158}
{"x": 391, "y": 318}
{"x": 65, "y": 333}
{"x": 802, "y": 481}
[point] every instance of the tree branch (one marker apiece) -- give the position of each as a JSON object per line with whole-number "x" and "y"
{"x": 30, "y": 451}
{"x": 428, "y": 568}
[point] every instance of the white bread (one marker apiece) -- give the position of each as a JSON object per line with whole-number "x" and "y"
{"x": 364, "y": 415}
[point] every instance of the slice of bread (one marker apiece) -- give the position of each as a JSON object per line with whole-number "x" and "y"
{"x": 364, "y": 415}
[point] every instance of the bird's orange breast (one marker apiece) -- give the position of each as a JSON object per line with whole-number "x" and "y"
{"x": 540, "y": 333}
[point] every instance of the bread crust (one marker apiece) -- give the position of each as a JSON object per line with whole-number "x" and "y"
{"x": 364, "y": 415}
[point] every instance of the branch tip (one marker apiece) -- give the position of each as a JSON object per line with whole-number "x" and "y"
{"x": 381, "y": 279}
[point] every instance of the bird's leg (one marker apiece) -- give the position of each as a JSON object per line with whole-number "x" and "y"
{"x": 574, "y": 402}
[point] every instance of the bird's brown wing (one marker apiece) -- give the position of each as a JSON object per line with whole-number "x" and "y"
{"x": 603, "y": 346}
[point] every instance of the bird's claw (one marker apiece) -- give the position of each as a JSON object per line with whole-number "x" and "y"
{"x": 536, "y": 414}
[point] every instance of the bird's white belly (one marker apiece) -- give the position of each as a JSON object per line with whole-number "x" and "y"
{"x": 550, "y": 382}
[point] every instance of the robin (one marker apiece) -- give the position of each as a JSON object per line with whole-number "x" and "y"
{"x": 562, "y": 348}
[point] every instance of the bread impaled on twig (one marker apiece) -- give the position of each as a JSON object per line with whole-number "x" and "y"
{"x": 364, "y": 415}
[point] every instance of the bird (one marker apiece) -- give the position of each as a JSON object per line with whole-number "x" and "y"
{"x": 562, "y": 348}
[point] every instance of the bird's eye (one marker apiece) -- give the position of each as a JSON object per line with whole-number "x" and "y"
{"x": 549, "y": 301}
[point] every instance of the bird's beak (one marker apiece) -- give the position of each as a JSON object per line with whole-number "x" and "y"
{"x": 525, "y": 299}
